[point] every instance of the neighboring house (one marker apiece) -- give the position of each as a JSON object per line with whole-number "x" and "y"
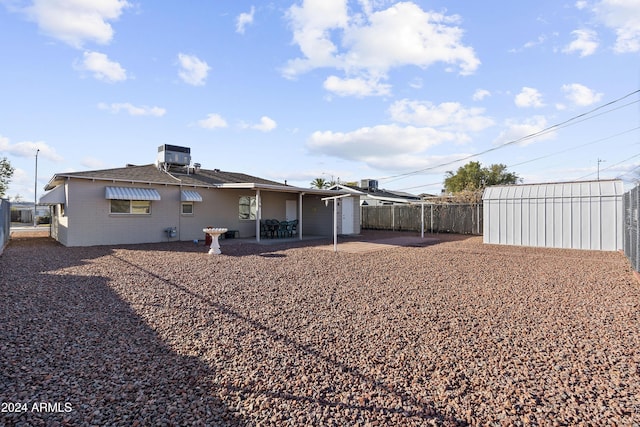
{"x": 371, "y": 195}
{"x": 23, "y": 212}
{"x": 171, "y": 200}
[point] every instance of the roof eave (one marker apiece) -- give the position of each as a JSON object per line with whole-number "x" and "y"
{"x": 281, "y": 188}
{"x": 60, "y": 178}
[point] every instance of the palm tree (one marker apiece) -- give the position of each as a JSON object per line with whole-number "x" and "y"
{"x": 319, "y": 183}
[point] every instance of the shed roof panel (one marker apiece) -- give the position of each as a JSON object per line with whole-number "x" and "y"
{"x": 604, "y": 188}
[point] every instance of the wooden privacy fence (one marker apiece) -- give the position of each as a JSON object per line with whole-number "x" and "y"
{"x": 438, "y": 218}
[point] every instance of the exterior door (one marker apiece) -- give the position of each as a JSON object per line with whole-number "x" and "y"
{"x": 291, "y": 211}
{"x": 347, "y": 215}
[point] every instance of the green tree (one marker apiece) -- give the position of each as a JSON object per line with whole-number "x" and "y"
{"x": 474, "y": 177}
{"x": 320, "y": 183}
{"x": 6, "y": 172}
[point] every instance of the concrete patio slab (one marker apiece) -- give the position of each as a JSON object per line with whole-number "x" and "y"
{"x": 378, "y": 245}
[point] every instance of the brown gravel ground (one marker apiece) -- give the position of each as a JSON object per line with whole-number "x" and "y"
{"x": 455, "y": 333}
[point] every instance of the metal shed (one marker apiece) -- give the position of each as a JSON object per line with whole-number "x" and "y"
{"x": 573, "y": 215}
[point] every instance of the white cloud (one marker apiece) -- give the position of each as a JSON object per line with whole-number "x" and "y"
{"x": 28, "y": 149}
{"x": 529, "y": 97}
{"x": 102, "y": 67}
{"x": 312, "y": 23}
{"x": 581, "y": 95}
{"x": 22, "y": 180}
{"x": 75, "y": 22}
{"x": 244, "y": 19}
{"x": 92, "y": 163}
{"x": 193, "y": 70}
{"x": 358, "y": 87}
{"x": 132, "y": 109}
{"x": 514, "y": 131}
{"x": 530, "y": 44}
{"x": 581, "y": 4}
{"x": 404, "y": 34}
{"x": 416, "y": 83}
{"x": 448, "y": 115}
{"x": 623, "y": 17}
{"x": 585, "y": 43}
{"x": 212, "y": 121}
{"x": 266, "y": 124}
{"x": 540, "y": 40}
{"x": 481, "y": 94}
{"x": 365, "y": 46}
{"x": 382, "y": 146}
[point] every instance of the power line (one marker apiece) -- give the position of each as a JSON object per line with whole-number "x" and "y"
{"x": 628, "y": 172}
{"x": 575, "y": 147}
{"x": 609, "y": 167}
{"x": 524, "y": 138}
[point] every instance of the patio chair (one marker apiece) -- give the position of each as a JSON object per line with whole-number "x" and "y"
{"x": 283, "y": 229}
{"x": 272, "y": 227}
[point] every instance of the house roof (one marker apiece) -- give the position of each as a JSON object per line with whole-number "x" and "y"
{"x": 151, "y": 174}
{"x": 380, "y": 194}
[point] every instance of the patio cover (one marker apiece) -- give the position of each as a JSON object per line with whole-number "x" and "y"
{"x": 54, "y": 197}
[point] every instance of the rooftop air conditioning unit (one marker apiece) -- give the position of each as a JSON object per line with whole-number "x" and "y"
{"x": 369, "y": 184}
{"x": 173, "y": 155}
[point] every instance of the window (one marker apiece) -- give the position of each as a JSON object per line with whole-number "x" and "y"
{"x": 248, "y": 207}
{"x": 136, "y": 207}
{"x": 187, "y": 208}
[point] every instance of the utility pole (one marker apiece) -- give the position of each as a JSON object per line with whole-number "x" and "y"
{"x": 35, "y": 192}
{"x": 599, "y": 161}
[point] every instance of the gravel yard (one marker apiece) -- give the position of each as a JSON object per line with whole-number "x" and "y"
{"x": 454, "y": 333}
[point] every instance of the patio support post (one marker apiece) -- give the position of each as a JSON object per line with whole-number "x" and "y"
{"x": 335, "y": 226}
{"x": 300, "y": 215}
{"x": 334, "y": 199}
{"x": 258, "y": 214}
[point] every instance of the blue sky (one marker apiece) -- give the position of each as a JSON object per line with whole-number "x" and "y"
{"x": 345, "y": 89}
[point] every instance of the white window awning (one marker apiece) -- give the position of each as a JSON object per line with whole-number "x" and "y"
{"x": 53, "y": 197}
{"x": 130, "y": 193}
{"x": 190, "y": 196}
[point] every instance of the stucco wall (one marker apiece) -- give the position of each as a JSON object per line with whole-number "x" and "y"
{"x": 91, "y": 223}
{"x": 87, "y": 221}
{"x": 317, "y": 217}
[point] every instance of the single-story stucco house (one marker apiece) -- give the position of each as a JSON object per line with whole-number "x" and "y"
{"x": 172, "y": 200}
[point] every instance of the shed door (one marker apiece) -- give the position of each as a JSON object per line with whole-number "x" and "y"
{"x": 347, "y": 215}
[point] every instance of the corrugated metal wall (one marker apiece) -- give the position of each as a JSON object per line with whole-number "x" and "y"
{"x": 574, "y": 215}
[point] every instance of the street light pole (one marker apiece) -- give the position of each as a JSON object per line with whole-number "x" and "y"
{"x": 35, "y": 192}
{"x": 599, "y": 161}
